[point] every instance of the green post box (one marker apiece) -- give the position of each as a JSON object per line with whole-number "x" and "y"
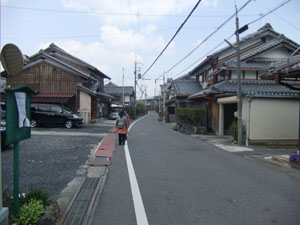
{"x": 18, "y": 115}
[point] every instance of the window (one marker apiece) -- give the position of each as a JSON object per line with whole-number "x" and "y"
{"x": 56, "y": 109}
{"x": 44, "y": 108}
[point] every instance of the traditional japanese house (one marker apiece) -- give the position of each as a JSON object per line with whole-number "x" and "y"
{"x": 64, "y": 79}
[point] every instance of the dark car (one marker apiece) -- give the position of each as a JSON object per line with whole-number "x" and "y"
{"x": 51, "y": 114}
{"x": 3, "y": 123}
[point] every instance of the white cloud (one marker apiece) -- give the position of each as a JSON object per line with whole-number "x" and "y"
{"x": 213, "y": 3}
{"x": 112, "y": 53}
{"x": 5, "y": 1}
{"x": 124, "y": 12}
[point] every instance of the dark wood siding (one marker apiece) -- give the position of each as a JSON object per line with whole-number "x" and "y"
{"x": 44, "y": 80}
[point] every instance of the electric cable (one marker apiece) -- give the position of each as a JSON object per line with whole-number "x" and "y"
{"x": 172, "y": 38}
{"x": 208, "y": 37}
{"x": 260, "y": 17}
{"x": 111, "y": 13}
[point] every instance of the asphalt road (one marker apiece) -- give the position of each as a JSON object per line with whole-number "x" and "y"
{"x": 52, "y": 157}
{"x": 183, "y": 180}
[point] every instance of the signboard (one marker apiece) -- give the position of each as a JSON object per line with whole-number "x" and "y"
{"x": 18, "y": 113}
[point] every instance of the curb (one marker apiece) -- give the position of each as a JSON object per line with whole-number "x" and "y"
{"x": 281, "y": 158}
{"x": 96, "y": 169}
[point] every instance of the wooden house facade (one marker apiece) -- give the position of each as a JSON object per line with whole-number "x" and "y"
{"x": 61, "y": 78}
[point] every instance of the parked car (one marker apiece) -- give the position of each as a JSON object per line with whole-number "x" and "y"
{"x": 114, "y": 114}
{"x": 51, "y": 114}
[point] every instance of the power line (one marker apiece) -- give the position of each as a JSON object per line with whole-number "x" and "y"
{"x": 173, "y": 37}
{"x": 112, "y": 13}
{"x": 279, "y": 6}
{"x": 262, "y": 16}
{"x": 208, "y": 37}
{"x": 125, "y": 24}
{"x": 271, "y": 11}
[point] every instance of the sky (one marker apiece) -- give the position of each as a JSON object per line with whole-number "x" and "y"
{"x": 117, "y": 35}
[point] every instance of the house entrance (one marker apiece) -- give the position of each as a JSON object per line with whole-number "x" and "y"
{"x": 229, "y": 110}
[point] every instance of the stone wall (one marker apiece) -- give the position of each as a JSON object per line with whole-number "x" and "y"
{"x": 189, "y": 129}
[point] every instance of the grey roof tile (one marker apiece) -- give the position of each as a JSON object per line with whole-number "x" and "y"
{"x": 250, "y": 87}
{"x": 253, "y": 87}
{"x": 118, "y": 90}
{"x": 186, "y": 87}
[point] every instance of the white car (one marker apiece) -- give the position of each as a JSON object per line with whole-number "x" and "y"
{"x": 114, "y": 114}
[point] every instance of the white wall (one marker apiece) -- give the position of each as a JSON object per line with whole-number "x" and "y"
{"x": 273, "y": 119}
{"x": 85, "y": 106}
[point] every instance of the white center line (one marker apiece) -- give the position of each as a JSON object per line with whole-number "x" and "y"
{"x": 140, "y": 214}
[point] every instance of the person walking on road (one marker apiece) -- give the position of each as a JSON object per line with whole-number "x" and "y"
{"x": 121, "y": 127}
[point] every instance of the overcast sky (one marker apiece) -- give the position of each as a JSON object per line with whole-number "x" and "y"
{"x": 113, "y": 34}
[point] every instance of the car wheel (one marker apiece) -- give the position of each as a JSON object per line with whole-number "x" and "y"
{"x": 33, "y": 123}
{"x": 69, "y": 124}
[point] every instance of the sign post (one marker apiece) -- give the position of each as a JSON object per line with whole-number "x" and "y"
{"x": 18, "y": 115}
{"x": 13, "y": 62}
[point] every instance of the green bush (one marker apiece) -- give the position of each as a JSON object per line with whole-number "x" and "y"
{"x": 233, "y": 130}
{"x": 141, "y": 109}
{"x": 192, "y": 116}
{"x": 29, "y": 213}
{"x": 37, "y": 194}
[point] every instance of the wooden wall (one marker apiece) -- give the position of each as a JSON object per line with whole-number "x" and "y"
{"x": 43, "y": 79}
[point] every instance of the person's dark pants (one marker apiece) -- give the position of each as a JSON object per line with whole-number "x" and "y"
{"x": 122, "y": 138}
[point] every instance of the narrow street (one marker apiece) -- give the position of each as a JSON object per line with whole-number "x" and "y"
{"x": 184, "y": 180}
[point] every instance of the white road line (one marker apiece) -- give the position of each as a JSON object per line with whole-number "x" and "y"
{"x": 140, "y": 214}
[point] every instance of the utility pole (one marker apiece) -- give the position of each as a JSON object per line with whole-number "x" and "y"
{"x": 239, "y": 94}
{"x": 123, "y": 88}
{"x": 134, "y": 107}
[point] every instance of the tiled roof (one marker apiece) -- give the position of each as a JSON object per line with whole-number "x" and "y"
{"x": 250, "y": 87}
{"x": 281, "y": 39}
{"x": 186, "y": 87}
{"x": 53, "y": 95}
{"x": 119, "y": 90}
{"x": 254, "y": 87}
{"x": 248, "y": 65}
{"x": 53, "y": 49}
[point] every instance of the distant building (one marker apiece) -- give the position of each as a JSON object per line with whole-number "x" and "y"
{"x": 117, "y": 92}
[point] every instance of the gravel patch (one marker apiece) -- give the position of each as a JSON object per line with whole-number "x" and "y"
{"x": 48, "y": 162}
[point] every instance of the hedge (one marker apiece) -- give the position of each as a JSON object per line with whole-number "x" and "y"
{"x": 192, "y": 116}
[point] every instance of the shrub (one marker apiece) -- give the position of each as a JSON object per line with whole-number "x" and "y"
{"x": 29, "y": 213}
{"x": 37, "y": 194}
{"x": 192, "y": 116}
{"x": 233, "y": 130}
{"x": 141, "y": 109}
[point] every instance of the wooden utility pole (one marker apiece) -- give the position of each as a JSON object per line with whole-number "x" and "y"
{"x": 239, "y": 92}
{"x": 123, "y": 101}
{"x": 135, "y": 89}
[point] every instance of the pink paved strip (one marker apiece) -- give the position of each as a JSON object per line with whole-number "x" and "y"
{"x": 107, "y": 147}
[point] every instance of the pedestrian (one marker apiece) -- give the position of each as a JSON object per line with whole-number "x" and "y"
{"x": 121, "y": 127}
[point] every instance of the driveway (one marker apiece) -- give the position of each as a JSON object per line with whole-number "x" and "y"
{"x": 52, "y": 157}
